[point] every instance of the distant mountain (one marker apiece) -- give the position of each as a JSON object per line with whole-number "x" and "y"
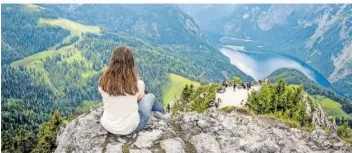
{"x": 320, "y": 35}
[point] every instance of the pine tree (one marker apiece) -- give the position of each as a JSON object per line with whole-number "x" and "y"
{"x": 342, "y": 130}
{"x": 25, "y": 141}
{"x": 281, "y": 100}
{"x": 47, "y": 134}
{"x": 6, "y": 141}
{"x": 186, "y": 93}
{"x": 191, "y": 88}
{"x": 281, "y": 86}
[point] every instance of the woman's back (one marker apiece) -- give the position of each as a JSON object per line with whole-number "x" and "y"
{"x": 126, "y": 106}
{"x": 121, "y": 112}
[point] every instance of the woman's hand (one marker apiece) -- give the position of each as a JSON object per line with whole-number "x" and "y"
{"x": 141, "y": 96}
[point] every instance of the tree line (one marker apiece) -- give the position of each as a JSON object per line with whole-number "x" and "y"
{"x": 282, "y": 101}
{"x": 295, "y": 77}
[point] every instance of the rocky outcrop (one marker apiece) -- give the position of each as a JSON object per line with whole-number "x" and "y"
{"x": 211, "y": 132}
{"x": 318, "y": 116}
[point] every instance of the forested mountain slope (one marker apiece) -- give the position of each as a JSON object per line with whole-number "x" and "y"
{"x": 320, "y": 35}
{"x": 63, "y": 49}
{"x": 22, "y": 36}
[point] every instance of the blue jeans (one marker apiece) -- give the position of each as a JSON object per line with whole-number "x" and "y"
{"x": 145, "y": 107}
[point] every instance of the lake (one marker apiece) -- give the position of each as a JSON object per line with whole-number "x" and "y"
{"x": 259, "y": 65}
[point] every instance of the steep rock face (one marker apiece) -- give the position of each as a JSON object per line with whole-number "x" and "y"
{"x": 318, "y": 116}
{"x": 212, "y": 132}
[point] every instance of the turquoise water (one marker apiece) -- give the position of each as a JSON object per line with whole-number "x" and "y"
{"x": 259, "y": 65}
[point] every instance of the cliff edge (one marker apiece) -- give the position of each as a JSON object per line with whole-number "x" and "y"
{"x": 212, "y": 132}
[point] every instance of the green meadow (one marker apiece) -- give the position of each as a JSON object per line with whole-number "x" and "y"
{"x": 174, "y": 86}
{"x": 74, "y": 27}
{"x": 36, "y": 61}
{"x": 332, "y": 107}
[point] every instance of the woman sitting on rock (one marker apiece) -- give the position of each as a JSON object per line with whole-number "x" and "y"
{"x": 126, "y": 106}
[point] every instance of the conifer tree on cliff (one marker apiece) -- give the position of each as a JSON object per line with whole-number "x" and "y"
{"x": 47, "y": 134}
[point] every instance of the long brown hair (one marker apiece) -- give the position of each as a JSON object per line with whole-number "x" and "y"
{"x": 121, "y": 75}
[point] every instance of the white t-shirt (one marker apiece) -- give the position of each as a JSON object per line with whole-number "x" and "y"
{"x": 120, "y": 114}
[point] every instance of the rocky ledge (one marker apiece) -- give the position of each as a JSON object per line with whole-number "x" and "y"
{"x": 212, "y": 132}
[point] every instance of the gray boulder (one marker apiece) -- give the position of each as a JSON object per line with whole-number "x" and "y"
{"x": 173, "y": 145}
{"x": 205, "y": 143}
{"x": 114, "y": 148}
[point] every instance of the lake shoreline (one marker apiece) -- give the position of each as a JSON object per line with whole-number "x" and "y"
{"x": 257, "y": 64}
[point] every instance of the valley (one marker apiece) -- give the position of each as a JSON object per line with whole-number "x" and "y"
{"x": 53, "y": 56}
{"x": 61, "y": 53}
{"x": 319, "y": 35}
